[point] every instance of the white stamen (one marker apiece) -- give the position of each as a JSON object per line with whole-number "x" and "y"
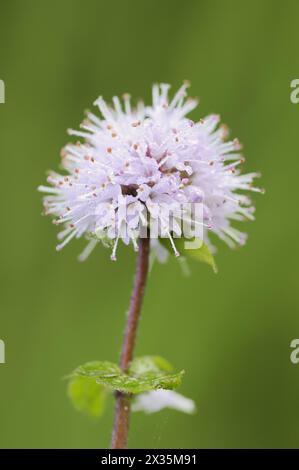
{"x": 66, "y": 241}
{"x": 176, "y": 253}
{"x": 87, "y": 250}
{"x": 113, "y": 255}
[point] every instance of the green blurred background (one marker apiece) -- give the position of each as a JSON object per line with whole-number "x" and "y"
{"x": 231, "y": 331}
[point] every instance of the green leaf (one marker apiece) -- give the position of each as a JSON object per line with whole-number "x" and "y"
{"x": 143, "y": 383}
{"x": 153, "y": 373}
{"x": 203, "y": 254}
{"x": 193, "y": 248}
{"x": 87, "y": 395}
{"x": 98, "y": 369}
{"x": 145, "y": 374}
{"x": 148, "y": 364}
{"x": 101, "y": 237}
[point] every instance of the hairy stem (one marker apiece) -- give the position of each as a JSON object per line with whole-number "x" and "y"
{"x": 122, "y": 408}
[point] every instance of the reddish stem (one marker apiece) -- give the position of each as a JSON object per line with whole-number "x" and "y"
{"x": 122, "y": 408}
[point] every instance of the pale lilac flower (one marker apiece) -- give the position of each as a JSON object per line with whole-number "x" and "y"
{"x": 157, "y": 400}
{"x": 132, "y": 160}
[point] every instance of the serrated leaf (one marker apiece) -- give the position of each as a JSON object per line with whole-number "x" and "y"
{"x": 203, "y": 254}
{"x": 145, "y": 374}
{"x": 146, "y": 364}
{"x": 153, "y": 373}
{"x": 100, "y": 237}
{"x": 195, "y": 249}
{"x": 97, "y": 369}
{"x": 87, "y": 396}
{"x": 143, "y": 383}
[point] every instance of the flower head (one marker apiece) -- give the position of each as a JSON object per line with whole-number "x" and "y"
{"x": 133, "y": 162}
